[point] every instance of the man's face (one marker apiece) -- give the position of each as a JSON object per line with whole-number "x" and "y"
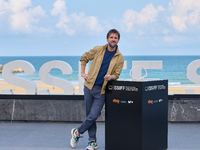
{"x": 113, "y": 40}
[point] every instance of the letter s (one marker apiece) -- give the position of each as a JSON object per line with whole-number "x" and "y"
{"x": 28, "y": 68}
{"x": 61, "y": 83}
{"x": 192, "y": 71}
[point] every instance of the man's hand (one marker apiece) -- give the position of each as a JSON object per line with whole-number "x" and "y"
{"x": 109, "y": 77}
{"x": 85, "y": 76}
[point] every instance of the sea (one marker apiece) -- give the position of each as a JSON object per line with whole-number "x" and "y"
{"x": 174, "y": 68}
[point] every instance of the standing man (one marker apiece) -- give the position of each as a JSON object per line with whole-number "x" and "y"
{"x": 107, "y": 63}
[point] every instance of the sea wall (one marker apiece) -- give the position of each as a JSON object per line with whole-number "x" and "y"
{"x": 184, "y": 110}
{"x": 58, "y": 108}
{"x": 72, "y": 109}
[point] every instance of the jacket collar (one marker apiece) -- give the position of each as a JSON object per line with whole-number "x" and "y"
{"x": 117, "y": 51}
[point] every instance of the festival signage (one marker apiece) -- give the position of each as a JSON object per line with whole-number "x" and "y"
{"x": 66, "y": 85}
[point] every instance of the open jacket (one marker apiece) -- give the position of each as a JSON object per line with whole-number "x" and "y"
{"x": 96, "y": 55}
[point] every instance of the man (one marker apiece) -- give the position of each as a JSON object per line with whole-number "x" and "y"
{"x": 107, "y": 63}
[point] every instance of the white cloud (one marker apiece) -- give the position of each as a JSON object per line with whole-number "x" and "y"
{"x": 147, "y": 15}
{"x": 59, "y": 9}
{"x": 19, "y": 5}
{"x": 194, "y": 17}
{"x": 184, "y": 13}
{"x": 129, "y": 18}
{"x": 21, "y": 17}
{"x": 3, "y": 7}
{"x": 74, "y": 22}
{"x": 179, "y": 22}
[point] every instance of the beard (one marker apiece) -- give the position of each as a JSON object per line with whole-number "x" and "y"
{"x": 112, "y": 46}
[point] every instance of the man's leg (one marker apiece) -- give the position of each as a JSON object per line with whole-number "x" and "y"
{"x": 89, "y": 99}
{"x": 90, "y": 122}
{"x": 88, "y": 104}
{"x": 99, "y": 100}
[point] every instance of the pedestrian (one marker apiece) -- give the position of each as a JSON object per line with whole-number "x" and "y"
{"x": 107, "y": 63}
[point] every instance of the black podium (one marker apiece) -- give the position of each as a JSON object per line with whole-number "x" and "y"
{"x": 136, "y": 115}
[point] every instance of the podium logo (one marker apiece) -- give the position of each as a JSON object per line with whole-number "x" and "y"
{"x": 154, "y": 87}
{"x": 154, "y": 101}
{"x": 150, "y": 101}
{"x": 130, "y": 102}
{"x": 122, "y": 101}
{"x": 116, "y": 101}
{"x": 150, "y": 88}
{"x": 110, "y": 87}
{"x": 119, "y": 88}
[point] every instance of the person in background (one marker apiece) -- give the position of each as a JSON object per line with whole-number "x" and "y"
{"x": 107, "y": 63}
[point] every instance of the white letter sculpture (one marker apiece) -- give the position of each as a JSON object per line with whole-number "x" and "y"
{"x": 192, "y": 71}
{"x": 139, "y": 65}
{"x": 28, "y": 68}
{"x": 54, "y": 81}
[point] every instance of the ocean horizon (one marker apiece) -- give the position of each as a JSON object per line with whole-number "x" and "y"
{"x": 174, "y": 68}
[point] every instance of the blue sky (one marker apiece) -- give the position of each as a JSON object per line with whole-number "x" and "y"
{"x": 69, "y": 28}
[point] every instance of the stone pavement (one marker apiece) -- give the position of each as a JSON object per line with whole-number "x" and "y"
{"x": 56, "y": 136}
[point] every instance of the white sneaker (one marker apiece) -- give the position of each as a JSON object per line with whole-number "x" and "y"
{"x": 74, "y": 139}
{"x": 92, "y": 145}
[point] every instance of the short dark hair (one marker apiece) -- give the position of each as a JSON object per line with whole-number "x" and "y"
{"x": 113, "y": 31}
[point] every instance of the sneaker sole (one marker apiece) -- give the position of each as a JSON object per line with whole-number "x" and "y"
{"x": 72, "y": 134}
{"x": 95, "y": 147}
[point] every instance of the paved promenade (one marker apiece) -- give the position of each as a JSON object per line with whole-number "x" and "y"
{"x": 56, "y": 136}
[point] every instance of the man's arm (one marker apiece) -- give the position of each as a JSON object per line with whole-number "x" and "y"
{"x": 87, "y": 56}
{"x": 109, "y": 77}
{"x": 117, "y": 71}
{"x": 85, "y": 76}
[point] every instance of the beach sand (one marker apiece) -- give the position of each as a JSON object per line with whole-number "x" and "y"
{"x": 40, "y": 85}
{"x": 56, "y": 90}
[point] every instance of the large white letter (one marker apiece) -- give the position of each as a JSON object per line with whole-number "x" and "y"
{"x": 28, "y": 68}
{"x": 192, "y": 71}
{"x": 61, "y": 83}
{"x": 137, "y": 73}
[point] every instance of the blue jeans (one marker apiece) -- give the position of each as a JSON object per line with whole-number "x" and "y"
{"x": 94, "y": 102}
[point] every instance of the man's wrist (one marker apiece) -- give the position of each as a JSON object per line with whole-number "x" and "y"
{"x": 112, "y": 77}
{"x": 82, "y": 74}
